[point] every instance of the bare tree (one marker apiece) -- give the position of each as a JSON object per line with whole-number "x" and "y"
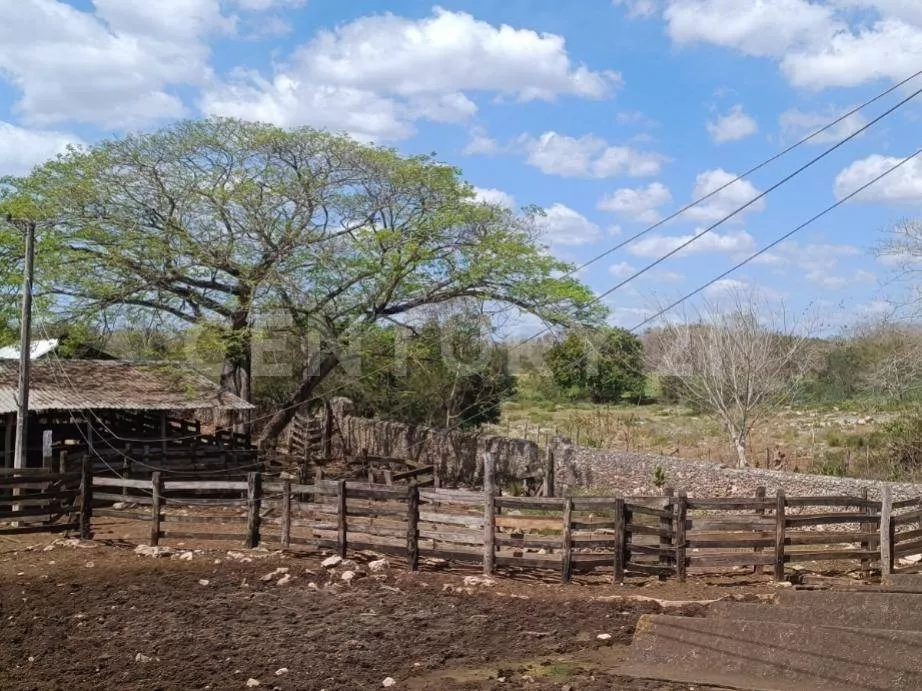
{"x": 736, "y": 359}
{"x": 890, "y": 356}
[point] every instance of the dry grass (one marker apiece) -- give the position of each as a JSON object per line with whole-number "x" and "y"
{"x": 834, "y": 441}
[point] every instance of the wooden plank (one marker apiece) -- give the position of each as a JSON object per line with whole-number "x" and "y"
{"x": 408, "y": 474}
{"x": 780, "y": 504}
{"x": 681, "y": 512}
{"x": 527, "y": 541}
{"x": 665, "y": 524}
{"x": 567, "y": 557}
{"x": 829, "y": 555}
{"x": 489, "y": 515}
{"x": 413, "y": 529}
{"x": 831, "y": 501}
{"x": 202, "y": 485}
{"x": 648, "y": 569}
{"x": 907, "y": 517}
{"x": 907, "y": 535}
{"x": 110, "y": 497}
{"x": 741, "y": 524}
{"x": 86, "y": 500}
{"x": 464, "y": 538}
{"x": 120, "y": 482}
{"x": 363, "y": 490}
{"x": 445, "y": 496}
{"x": 41, "y": 499}
{"x": 656, "y": 531}
{"x": 37, "y": 477}
{"x": 124, "y": 515}
{"x": 647, "y": 511}
{"x": 551, "y": 562}
{"x": 156, "y": 482}
{"x": 593, "y": 524}
{"x": 906, "y": 503}
{"x": 26, "y": 529}
{"x": 42, "y": 510}
{"x": 731, "y": 504}
{"x": 827, "y": 537}
{"x": 285, "y": 532}
{"x": 825, "y": 519}
{"x": 216, "y": 520}
{"x": 760, "y": 512}
{"x": 731, "y": 559}
{"x": 731, "y": 543}
{"x": 451, "y": 519}
{"x": 901, "y": 549}
{"x": 886, "y": 533}
{"x": 342, "y": 537}
{"x": 372, "y": 512}
{"x": 530, "y": 503}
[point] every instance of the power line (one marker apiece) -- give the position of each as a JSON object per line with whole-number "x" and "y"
{"x": 743, "y": 175}
{"x": 778, "y": 240}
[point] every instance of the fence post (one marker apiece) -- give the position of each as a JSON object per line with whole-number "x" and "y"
{"x": 341, "y": 517}
{"x": 156, "y": 495}
{"x": 620, "y": 540}
{"x": 864, "y": 528}
{"x": 760, "y": 512}
{"x": 549, "y": 470}
{"x": 665, "y": 526}
{"x": 489, "y": 515}
{"x": 780, "y": 503}
{"x": 566, "y": 566}
{"x": 286, "y": 514}
{"x": 254, "y": 499}
{"x": 413, "y": 527}
{"x": 86, "y": 498}
{"x": 681, "y": 513}
{"x": 886, "y": 534}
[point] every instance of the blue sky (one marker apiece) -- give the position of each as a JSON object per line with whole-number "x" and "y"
{"x": 607, "y": 114}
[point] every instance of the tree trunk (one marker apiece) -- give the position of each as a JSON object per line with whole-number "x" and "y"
{"x": 314, "y": 375}
{"x": 236, "y": 371}
{"x": 740, "y": 445}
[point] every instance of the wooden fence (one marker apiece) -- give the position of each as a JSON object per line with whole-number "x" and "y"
{"x": 38, "y": 501}
{"x": 666, "y": 536}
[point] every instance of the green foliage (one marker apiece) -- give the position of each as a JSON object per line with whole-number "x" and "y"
{"x": 659, "y": 477}
{"x": 600, "y": 366}
{"x": 671, "y": 389}
{"x": 904, "y": 442}
{"x": 443, "y": 374}
{"x": 209, "y": 224}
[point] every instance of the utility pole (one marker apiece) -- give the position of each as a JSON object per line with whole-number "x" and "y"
{"x": 25, "y": 347}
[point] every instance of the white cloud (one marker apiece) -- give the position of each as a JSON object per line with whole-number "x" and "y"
{"x": 263, "y": 5}
{"x": 288, "y": 102}
{"x": 640, "y": 204}
{"x": 655, "y": 246}
{"x": 116, "y": 67}
{"x": 635, "y": 117}
{"x": 622, "y": 270}
{"x": 796, "y": 124}
{"x": 733, "y": 126}
{"x": 491, "y": 195}
{"x": 814, "y": 43}
{"x": 724, "y": 202}
{"x": 755, "y": 27}
{"x": 480, "y": 143}
{"x": 889, "y": 49}
{"x": 561, "y": 225}
{"x": 21, "y": 149}
{"x": 638, "y": 8}
{"x": 904, "y": 185}
{"x": 725, "y": 287}
{"x": 413, "y": 68}
{"x": 587, "y": 157}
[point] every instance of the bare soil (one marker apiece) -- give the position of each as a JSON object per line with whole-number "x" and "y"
{"x": 98, "y": 615}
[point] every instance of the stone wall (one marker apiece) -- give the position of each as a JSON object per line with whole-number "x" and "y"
{"x": 457, "y": 454}
{"x": 632, "y": 474}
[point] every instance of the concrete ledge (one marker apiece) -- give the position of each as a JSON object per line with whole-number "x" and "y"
{"x": 847, "y": 610}
{"x": 773, "y": 655}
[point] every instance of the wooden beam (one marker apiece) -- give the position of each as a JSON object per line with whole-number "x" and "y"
{"x": 886, "y": 534}
{"x": 489, "y": 515}
{"x": 8, "y": 440}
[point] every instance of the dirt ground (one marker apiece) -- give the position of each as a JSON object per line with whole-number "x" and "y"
{"x": 97, "y": 615}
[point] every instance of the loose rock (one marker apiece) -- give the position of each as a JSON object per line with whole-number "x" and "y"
{"x": 332, "y": 562}
{"x": 377, "y": 565}
{"x": 389, "y": 681}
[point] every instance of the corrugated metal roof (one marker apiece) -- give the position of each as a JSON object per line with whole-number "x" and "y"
{"x": 36, "y": 349}
{"x": 113, "y": 384}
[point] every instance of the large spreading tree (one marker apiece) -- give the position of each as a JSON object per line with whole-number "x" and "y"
{"x": 210, "y": 224}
